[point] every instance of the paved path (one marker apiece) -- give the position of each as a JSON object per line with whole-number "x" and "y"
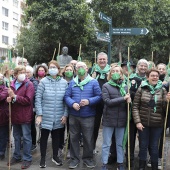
{"x": 52, "y": 166}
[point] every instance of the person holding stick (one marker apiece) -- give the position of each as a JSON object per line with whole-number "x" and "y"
{"x": 148, "y": 113}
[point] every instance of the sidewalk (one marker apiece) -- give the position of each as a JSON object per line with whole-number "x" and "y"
{"x": 52, "y": 166}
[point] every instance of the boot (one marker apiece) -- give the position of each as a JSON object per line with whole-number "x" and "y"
{"x": 154, "y": 165}
{"x": 142, "y": 165}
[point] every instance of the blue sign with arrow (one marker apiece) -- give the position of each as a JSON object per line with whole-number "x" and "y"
{"x": 130, "y": 31}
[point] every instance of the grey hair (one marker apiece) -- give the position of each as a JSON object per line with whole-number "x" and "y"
{"x": 141, "y": 61}
{"x": 29, "y": 68}
{"x": 82, "y": 63}
{"x": 101, "y": 53}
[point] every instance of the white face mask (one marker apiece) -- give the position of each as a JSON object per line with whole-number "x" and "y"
{"x": 21, "y": 77}
{"x": 53, "y": 71}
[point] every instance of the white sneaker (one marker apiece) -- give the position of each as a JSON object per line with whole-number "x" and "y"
{"x": 159, "y": 163}
{"x": 149, "y": 163}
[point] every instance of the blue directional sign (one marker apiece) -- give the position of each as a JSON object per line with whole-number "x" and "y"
{"x": 130, "y": 31}
{"x": 105, "y": 18}
{"x": 103, "y": 37}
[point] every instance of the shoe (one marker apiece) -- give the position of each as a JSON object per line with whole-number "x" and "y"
{"x": 104, "y": 167}
{"x": 112, "y": 160}
{"x": 25, "y": 164}
{"x": 60, "y": 152}
{"x": 57, "y": 161}
{"x": 89, "y": 163}
{"x": 42, "y": 163}
{"x": 149, "y": 163}
{"x": 33, "y": 148}
{"x": 14, "y": 161}
{"x": 2, "y": 157}
{"x": 73, "y": 164}
{"x": 159, "y": 163}
{"x": 120, "y": 166}
{"x": 68, "y": 154}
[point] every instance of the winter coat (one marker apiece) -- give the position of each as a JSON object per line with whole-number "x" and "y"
{"x": 22, "y": 108}
{"x": 144, "y": 113}
{"x": 115, "y": 107}
{"x": 49, "y": 102}
{"x": 4, "y": 113}
{"x": 74, "y": 94}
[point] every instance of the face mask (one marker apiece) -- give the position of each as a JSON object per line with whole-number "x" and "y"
{"x": 81, "y": 71}
{"x": 41, "y": 74}
{"x": 69, "y": 74}
{"x": 53, "y": 71}
{"x": 115, "y": 76}
{"x": 1, "y": 82}
{"x": 21, "y": 77}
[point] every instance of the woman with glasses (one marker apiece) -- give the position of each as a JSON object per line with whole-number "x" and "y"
{"x": 51, "y": 111}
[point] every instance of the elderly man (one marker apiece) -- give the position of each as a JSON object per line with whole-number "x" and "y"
{"x": 22, "y": 61}
{"x": 81, "y": 97}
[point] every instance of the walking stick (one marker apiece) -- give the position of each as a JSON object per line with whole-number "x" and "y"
{"x": 54, "y": 54}
{"x": 152, "y": 57}
{"x": 128, "y": 117}
{"x": 66, "y": 151}
{"x": 22, "y": 55}
{"x": 58, "y": 51}
{"x": 79, "y": 58}
{"x": 95, "y": 59}
{"x": 166, "y": 116}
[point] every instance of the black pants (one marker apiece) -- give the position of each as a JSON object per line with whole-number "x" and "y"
{"x": 62, "y": 132}
{"x": 33, "y": 131}
{"x": 55, "y": 134}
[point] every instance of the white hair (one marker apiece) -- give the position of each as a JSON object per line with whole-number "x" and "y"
{"x": 141, "y": 61}
{"x": 81, "y": 63}
{"x": 29, "y": 68}
{"x": 101, "y": 53}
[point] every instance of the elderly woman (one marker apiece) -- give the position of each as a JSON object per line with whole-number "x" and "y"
{"x": 148, "y": 113}
{"x": 21, "y": 94}
{"x": 4, "y": 130}
{"x": 115, "y": 98}
{"x": 51, "y": 110}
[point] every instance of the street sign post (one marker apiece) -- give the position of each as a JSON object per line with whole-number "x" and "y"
{"x": 130, "y": 31}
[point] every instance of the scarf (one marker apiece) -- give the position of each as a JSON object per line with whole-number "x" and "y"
{"x": 120, "y": 86}
{"x": 152, "y": 89}
{"x": 82, "y": 83}
{"x": 102, "y": 72}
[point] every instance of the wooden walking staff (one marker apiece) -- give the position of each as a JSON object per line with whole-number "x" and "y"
{"x": 128, "y": 115}
{"x": 95, "y": 59}
{"x": 54, "y": 54}
{"x": 152, "y": 57}
{"x": 166, "y": 116}
{"x": 58, "y": 51}
{"x": 79, "y": 58}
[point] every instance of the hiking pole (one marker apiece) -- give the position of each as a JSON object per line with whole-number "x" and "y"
{"x": 58, "y": 52}
{"x": 166, "y": 116}
{"x": 54, "y": 54}
{"x": 128, "y": 116}
{"x": 66, "y": 151}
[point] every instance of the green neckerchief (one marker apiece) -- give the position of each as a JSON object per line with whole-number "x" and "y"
{"x": 136, "y": 75}
{"x": 57, "y": 78}
{"x": 152, "y": 89}
{"x": 121, "y": 86}
{"x": 102, "y": 72}
{"x": 82, "y": 83}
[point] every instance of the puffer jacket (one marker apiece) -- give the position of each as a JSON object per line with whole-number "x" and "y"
{"x": 115, "y": 107}
{"x": 4, "y": 114}
{"x": 143, "y": 113}
{"x": 49, "y": 102}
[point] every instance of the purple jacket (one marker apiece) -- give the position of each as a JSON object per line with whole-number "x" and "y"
{"x": 3, "y": 105}
{"x": 22, "y": 108}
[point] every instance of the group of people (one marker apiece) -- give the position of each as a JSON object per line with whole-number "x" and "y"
{"x": 80, "y": 99}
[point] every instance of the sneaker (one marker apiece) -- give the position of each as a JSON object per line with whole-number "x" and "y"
{"x": 14, "y": 161}
{"x": 149, "y": 163}
{"x": 68, "y": 154}
{"x": 57, "y": 161}
{"x": 73, "y": 164}
{"x": 25, "y": 164}
{"x": 120, "y": 166}
{"x": 42, "y": 163}
{"x": 104, "y": 167}
{"x": 89, "y": 163}
{"x": 33, "y": 148}
{"x": 159, "y": 163}
{"x": 2, "y": 157}
{"x": 60, "y": 152}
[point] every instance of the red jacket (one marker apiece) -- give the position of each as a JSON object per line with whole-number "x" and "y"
{"x": 3, "y": 105}
{"x": 22, "y": 108}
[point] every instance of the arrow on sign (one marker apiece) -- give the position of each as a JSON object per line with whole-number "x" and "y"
{"x": 103, "y": 37}
{"x": 130, "y": 31}
{"x": 105, "y": 18}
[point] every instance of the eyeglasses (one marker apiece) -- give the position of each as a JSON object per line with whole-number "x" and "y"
{"x": 154, "y": 76}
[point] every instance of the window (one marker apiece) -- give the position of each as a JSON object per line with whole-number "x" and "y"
{"x": 14, "y": 41}
{"x": 5, "y": 11}
{"x": 15, "y": 16}
{"x": 4, "y": 25}
{"x": 4, "y": 39}
{"x": 15, "y": 29}
{"x": 15, "y": 3}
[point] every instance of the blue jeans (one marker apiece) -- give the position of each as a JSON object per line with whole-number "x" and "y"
{"x": 23, "y": 130}
{"x": 4, "y": 136}
{"x": 107, "y": 138}
{"x": 149, "y": 137}
{"x": 84, "y": 125}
